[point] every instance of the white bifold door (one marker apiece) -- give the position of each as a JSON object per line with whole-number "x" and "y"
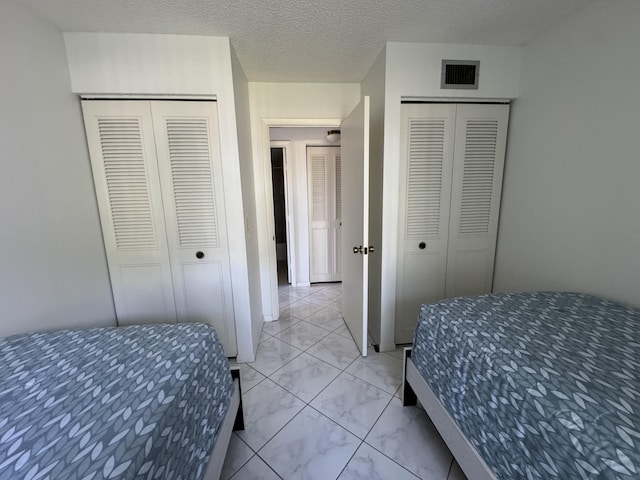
{"x": 451, "y": 164}
{"x": 325, "y": 210}
{"x": 158, "y": 176}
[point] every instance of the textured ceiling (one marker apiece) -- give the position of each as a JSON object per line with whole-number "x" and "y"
{"x": 315, "y": 41}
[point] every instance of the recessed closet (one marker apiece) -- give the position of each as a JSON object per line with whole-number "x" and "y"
{"x": 451, "y": 163}
{"x": 157, "y": 171}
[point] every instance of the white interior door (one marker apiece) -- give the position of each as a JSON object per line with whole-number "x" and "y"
{"x": 125, "y": 172}
{"x": 323, "y": 167}
{"x": 158, "y": 176}
{"x": 193, "y": 197}
{"x": 355, "y": 222}
{"x": 426, "y": 165}
{"x": 481, "y": 136}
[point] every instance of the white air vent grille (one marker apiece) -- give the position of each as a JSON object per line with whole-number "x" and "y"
{"x": 425, "y": 170}
{"x": 318, "y": 189}
{"x": 127, "y": 183}
{"x": 338, "y": 188}
{"x": 460, "y": 74}
{"x": 191, "y": 175}
{"x": 478, "y": 176}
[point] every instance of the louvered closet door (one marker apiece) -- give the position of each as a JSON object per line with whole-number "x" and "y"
{"x": 336, "y": 230}
{"x": 426, "y": 150}
{"x": 121, "y": 145}
{"x": 187, "y": 142}
{"x": 481, "y": 132}
{"x": 324, "y": 208}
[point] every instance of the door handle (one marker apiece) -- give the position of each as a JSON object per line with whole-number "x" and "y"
{"x": 357, "y": 250}
{"x": 199, "y": 255}
{"x": 422, "y": 245}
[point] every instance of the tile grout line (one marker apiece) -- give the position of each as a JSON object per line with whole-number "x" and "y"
{"x": 308, "y": 404}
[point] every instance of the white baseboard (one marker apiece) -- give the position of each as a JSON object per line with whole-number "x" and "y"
{"x": 387, "y": 347}
{"x": 245, "y": 358}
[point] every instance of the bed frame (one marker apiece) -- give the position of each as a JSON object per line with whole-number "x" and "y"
{"x": 415, "y": 388}
{"x": 233, "y": 420}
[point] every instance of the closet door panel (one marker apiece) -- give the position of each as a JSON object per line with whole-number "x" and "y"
{"x": 323, "y": 167}
{"x": 481, "y": 132}
{"x": 143, "y": 294}
{"x": 198, "y": 307}
{"x": 188, "y": 151}
{"x": 426, "y": 151}
{"x": 319, "y": 179}
{"x": 122, "y": 150}
{"x": 337, "y": 222}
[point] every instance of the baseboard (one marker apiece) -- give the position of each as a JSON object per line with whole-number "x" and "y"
{"x": 387, "y": 347}
{"x": 246, "y": 358}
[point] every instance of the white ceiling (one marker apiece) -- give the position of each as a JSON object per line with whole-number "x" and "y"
{"x": 315, "y": 40}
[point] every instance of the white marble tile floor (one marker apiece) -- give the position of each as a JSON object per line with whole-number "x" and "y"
{"x": 315, "y": 409}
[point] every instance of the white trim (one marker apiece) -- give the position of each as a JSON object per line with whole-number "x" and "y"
{"x": 290, "y": 218}
{"x": 387, "y": 347}
{"x": 245, "y": 358}
{"x": 454, "y": 99}
{"x": 145, "y": 96}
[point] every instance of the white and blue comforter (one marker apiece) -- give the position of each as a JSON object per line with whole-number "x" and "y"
{"x": 545, "y": 385}
{"x": 130, "y": 402}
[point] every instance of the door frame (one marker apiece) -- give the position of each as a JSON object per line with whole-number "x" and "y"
{"x": 289, "y": 218}
{"x": 272, "y": 311}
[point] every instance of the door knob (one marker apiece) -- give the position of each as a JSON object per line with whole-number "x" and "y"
{"x": 199, "y": 255}
{"x": 357, "y": 249}
{"x": 371, "y": 250}
{"x": 422, "y": 245}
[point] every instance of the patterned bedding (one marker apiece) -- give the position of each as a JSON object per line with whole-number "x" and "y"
{"x": 544, "y": 385}
{"x": 130, "y": 402}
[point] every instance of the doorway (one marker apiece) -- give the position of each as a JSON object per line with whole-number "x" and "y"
{"x": 280, "y": 215}
{"x": 290, "y": 186}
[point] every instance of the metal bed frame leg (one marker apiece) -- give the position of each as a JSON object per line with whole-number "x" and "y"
{"x": 409, "y": 397}
{"x": 238, "y": 424}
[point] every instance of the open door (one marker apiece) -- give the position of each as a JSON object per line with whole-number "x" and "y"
{"x": 355, "y": 222}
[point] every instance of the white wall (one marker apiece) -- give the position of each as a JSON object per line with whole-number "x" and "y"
{"x": 286, "y": 104}
{"x": 131, "y": 63}
{"x": 413, "y": 70}
{"x": 241, "y": 94}
{"x": 570, "y": 216}
{"x": 156, "y": 65}
{"x": 53, "y": 271}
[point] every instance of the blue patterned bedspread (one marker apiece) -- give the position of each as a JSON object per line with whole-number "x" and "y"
{"x": 129, "y": 402}
{"x": 545, "y": 385}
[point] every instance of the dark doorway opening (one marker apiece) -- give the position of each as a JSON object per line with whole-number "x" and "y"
{"x": 279, "y": 213}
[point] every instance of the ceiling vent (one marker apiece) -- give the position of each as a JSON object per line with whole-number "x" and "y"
{"x": 460, "y": 74}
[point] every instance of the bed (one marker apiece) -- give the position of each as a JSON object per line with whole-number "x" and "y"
{"x": 149, "y": 401}
{"x": 537, "y": 385}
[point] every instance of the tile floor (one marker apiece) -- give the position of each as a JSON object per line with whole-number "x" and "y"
{"x": 315, "y": 409}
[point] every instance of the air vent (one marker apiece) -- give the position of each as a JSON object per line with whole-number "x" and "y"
{"x": 460, "y": 74}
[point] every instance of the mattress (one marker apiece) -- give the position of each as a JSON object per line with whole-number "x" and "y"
{"x": 544, "y": 385}
{"x": 130, "y": 402}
